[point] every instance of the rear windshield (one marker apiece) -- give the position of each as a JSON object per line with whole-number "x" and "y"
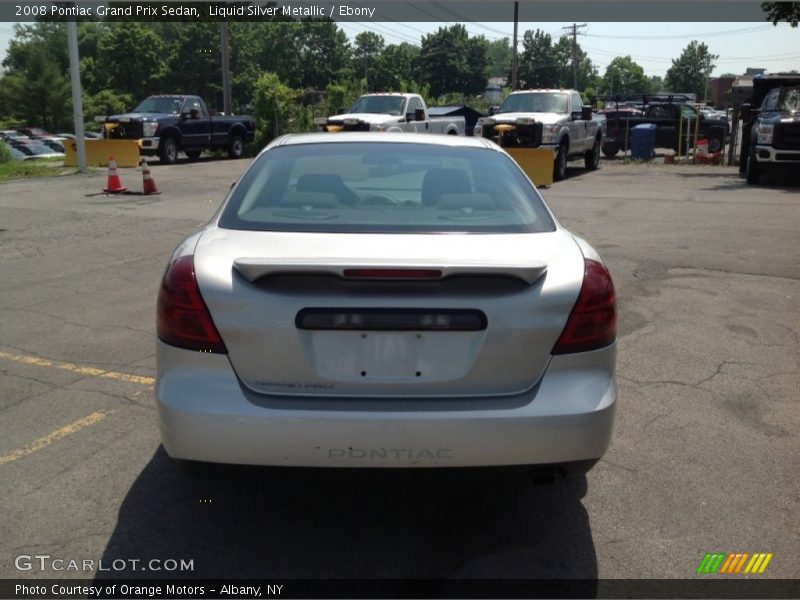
{"x": 379, "y": 187}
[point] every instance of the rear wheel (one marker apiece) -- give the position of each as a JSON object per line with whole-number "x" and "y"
{"x": 193, "y": 154}
{"x": 592, "y": 157}
{"x": 610, "y": 150}
{"x": 716, "y": 141}
{"x": 236, "y": 147}
{"x": 560, "y": 166}
{"x": 752, "y": 172}
{"x": 168, "y": 152}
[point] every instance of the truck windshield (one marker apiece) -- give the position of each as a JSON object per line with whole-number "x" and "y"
{"x": 385, "y": 105}
{"x": 787, "y": 99}
{"x": 538, "y": 102}
{"x": 154, "y": 104}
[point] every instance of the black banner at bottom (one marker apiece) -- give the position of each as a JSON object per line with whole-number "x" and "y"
{"x": 184, "y": 589}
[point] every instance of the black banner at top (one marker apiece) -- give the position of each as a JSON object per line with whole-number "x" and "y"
{"x": 445, "y": 11}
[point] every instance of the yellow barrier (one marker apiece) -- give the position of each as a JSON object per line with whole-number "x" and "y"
{"x": 125, "y": 153}
{"x": 536, "y": 162}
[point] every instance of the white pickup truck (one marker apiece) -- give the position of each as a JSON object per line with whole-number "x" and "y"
{"x": 555, "y": 119}
{"x": 391, "y": 112}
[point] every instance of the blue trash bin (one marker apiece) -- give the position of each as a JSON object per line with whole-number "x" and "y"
{"x": 643, "y": 141}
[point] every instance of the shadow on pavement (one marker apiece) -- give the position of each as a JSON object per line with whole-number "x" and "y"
{"x": 343, "y": 524}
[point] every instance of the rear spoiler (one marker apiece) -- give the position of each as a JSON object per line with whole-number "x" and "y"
{"x": 253, "y": 269}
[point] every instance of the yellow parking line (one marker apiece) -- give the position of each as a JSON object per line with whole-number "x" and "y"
{"x": 79, "y": 369}
{"x": 54, "y": 437}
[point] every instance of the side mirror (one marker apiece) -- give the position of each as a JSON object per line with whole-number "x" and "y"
{"x": 586, "y": 113}
{"x": 419, "y": 114}
{"x": 746, "y": 112}
{"x": 493, "y": 110}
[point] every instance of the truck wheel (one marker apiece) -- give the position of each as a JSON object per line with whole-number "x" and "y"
{"x": 193, "y": 154}
{"x": 560, "y": 166}
{"x": 610, "y": 150}
{"x": 168, "y": 152}
{"x": 592, "y": 157}
{"x": 752, "y": 172}
{"x": 715, "y": 143}
{"x": 236, "y": 147}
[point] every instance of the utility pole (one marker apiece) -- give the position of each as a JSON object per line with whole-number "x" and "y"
{"x": 514, "y": 49}
{"x": 574, "y": 29}
{"x": 77, "y": 99}
{"x": 226, "y": 67}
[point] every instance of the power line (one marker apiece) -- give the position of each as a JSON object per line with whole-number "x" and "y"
{"x": 682, "y": 36}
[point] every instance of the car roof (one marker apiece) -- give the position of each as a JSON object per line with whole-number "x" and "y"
{"x": 459, "y": 141}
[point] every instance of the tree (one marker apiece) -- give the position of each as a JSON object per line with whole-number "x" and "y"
{"x": 563, "y": 56}
{"x": 393, "y": 66}
{"x": 131, "y": 59}
{"x": 368, "y": 46}
{"x": 499, "y": 58}
{"x": 451, "y": 61}
{"x": 656, "y": 84}
{"x": 690, "y": 71}
{"x": 38, "y": 93}
{"x": 624, "y": 76}
{"x": 276, "y": 110}
{"x": 782, "y": 11}
{"x": 538, "y": 64}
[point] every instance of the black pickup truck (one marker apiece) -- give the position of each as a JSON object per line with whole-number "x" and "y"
{"x": 771, "y": 128}
{"x": 666, "y": 116}
{"x": 166, "y": 125}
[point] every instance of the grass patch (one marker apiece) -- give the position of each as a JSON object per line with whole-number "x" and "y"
{"x": 34, "y": 168}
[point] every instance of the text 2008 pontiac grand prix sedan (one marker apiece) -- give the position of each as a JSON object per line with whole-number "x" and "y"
{"x": 391, "y": 300}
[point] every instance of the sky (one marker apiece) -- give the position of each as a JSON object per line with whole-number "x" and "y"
{"x": 652, "y": 45}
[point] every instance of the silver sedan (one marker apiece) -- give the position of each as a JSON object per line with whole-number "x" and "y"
{"x": 386, "y": 300}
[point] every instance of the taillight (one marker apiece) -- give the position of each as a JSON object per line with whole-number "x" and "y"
{"x": 592, "y": 324}
{"x": 183, "y": 317}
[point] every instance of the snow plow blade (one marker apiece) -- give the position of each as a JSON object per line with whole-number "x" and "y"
{"x": 536, "y": 162}
{"x": 126, "y": 153}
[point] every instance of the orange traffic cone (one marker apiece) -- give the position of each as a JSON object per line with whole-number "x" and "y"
{"x": 114, "y": 185}
{"x": 148, "y": 183}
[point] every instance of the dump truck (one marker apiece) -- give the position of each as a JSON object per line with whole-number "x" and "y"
{"x": 771, "y": 128}
{"x": 554, "y": 123}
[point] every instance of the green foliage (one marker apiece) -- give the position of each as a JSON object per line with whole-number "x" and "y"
{"x": 38, "y": 93}
{"x": 450, "y": 60}
{"x": 782, "y": 11}
{"x": 342, "y": 95}
{"x": 368, "y": 47}
{"x": 624, "y": 76}
{"x": 5, "y": 153}
{"x": 131, "y": 59}
{"x": 104, "y": 102}
{"x": 498, "y": 56}
{"x": 412, "y": 87}
{"x": 690, "y": 71}
{"x": 277, "y": 111}
{"x": 538, "y": 65}
{"x": 393, "y": 66}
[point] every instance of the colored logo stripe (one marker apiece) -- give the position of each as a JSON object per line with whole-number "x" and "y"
{"x": 723, "y": 563}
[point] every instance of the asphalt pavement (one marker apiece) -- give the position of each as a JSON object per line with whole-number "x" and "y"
{"x": 704, "y": 455}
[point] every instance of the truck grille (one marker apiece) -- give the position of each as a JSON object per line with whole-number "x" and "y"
{"x": 787, "y": 136}
{"x": 126, "y": 131}
{"x": 358, "y": 127}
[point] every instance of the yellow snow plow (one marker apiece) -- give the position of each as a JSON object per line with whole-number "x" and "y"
{"x": 522, "y": 140}
{"x": 125, "y": 152}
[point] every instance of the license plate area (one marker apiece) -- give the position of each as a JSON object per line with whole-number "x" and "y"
{"x": 390, "y": 319}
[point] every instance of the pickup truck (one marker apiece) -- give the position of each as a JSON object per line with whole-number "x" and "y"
{"x": 391, "y": 112}
{"x": 166, "y": 125}
{"x": 555, "y": 119}
{"x": 771, "y": 133}
{"x": 666, "y": 116}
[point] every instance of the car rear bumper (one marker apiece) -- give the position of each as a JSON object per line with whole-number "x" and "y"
{"x": 205, "y": 414}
